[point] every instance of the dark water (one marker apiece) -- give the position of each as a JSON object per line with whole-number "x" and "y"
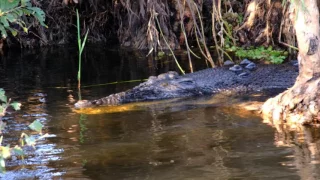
{"x": 190, "y": 139}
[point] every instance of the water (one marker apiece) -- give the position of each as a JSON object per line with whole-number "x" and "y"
{"x": 196, "y": 138}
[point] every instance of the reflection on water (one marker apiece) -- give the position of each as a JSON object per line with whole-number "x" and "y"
{"x": 197, "y": 138}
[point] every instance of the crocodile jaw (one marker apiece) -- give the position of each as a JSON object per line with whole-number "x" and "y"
{"x": 83, "y": 104}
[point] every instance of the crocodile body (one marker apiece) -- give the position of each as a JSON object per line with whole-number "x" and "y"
{"x": 204, "y": 82}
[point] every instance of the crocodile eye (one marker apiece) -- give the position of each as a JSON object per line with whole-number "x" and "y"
{"x": 187, "y": 82}
{"x": 164, "y": 84}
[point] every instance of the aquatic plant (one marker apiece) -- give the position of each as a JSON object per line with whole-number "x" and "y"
{"x": 15, "y": 12}
{"x": 80, "y": 47}
{"x": 7, "y": 151}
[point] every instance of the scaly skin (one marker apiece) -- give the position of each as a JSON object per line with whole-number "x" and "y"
{"x": 204, "y": 82}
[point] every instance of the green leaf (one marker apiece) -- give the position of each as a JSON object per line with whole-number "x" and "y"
{"x": 8, "y": 4}
{"x": 36, "y": 126}
{"x": 2, "y": 126}
{"x": 160, "y": 54}
{"x": 26, "y": 12}
{"x": 13, "y": 31}
{"x": 25, "y": 3}
{"x": 11, "y": 17}
{"x": 30, "y": 140}
{"x": 25, "y": 29}
{"x": 2, "y": 164}
{"x": 2, "y": 92}
{"x": 16, "y": 105}
{"x": 20, "y": 12}
{"x": 38, "y": 14}
{"x": 4, "y": 21}
{"x": 2, "y": 109}
{"x": 12, "y": 11}
{"x": 18, "y": 151}
{"x": 3, "y": 32}
{"x": 3, "y": 97}
{"x": 5, "y": 151}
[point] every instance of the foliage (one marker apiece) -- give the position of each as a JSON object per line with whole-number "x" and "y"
{"x": 7, "y": 151}
{"x": 13, "y": 11}
{"x": 6, "y": 103}
{"x": 258, "y": 53}
{"x": 267, "y": 54}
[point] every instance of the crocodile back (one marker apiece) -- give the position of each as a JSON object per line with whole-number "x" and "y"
{"x": 264, "y": 77}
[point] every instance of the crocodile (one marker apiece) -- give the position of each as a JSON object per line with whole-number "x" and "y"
{"x": 225, "y": 79}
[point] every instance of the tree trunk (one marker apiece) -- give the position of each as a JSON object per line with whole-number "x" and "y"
{"x": 262, "y": 21}
{"x": 301, "y": 103}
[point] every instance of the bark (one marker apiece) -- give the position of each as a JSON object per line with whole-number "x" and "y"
{"x": 300, "y": 104}
{"x": 261, "y": 24}
{"x": 142, "y": 23}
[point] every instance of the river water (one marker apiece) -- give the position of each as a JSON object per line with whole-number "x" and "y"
{"x": 195, "y": 138}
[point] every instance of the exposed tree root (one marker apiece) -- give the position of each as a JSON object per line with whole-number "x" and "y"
{"x": 137, "y": 24}
{"x": 132, "y": 23}
{"x": 261, "y": 22}
{"x": 298, "y": 105}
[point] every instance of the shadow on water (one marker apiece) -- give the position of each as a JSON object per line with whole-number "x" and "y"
{"x": 196, "y": 138}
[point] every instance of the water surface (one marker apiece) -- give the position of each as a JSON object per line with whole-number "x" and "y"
{"x": 195, "y": 138}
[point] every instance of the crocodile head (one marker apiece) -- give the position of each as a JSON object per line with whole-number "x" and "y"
{"x": 162, "y": 89}
{"x": 83, "y": 104}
